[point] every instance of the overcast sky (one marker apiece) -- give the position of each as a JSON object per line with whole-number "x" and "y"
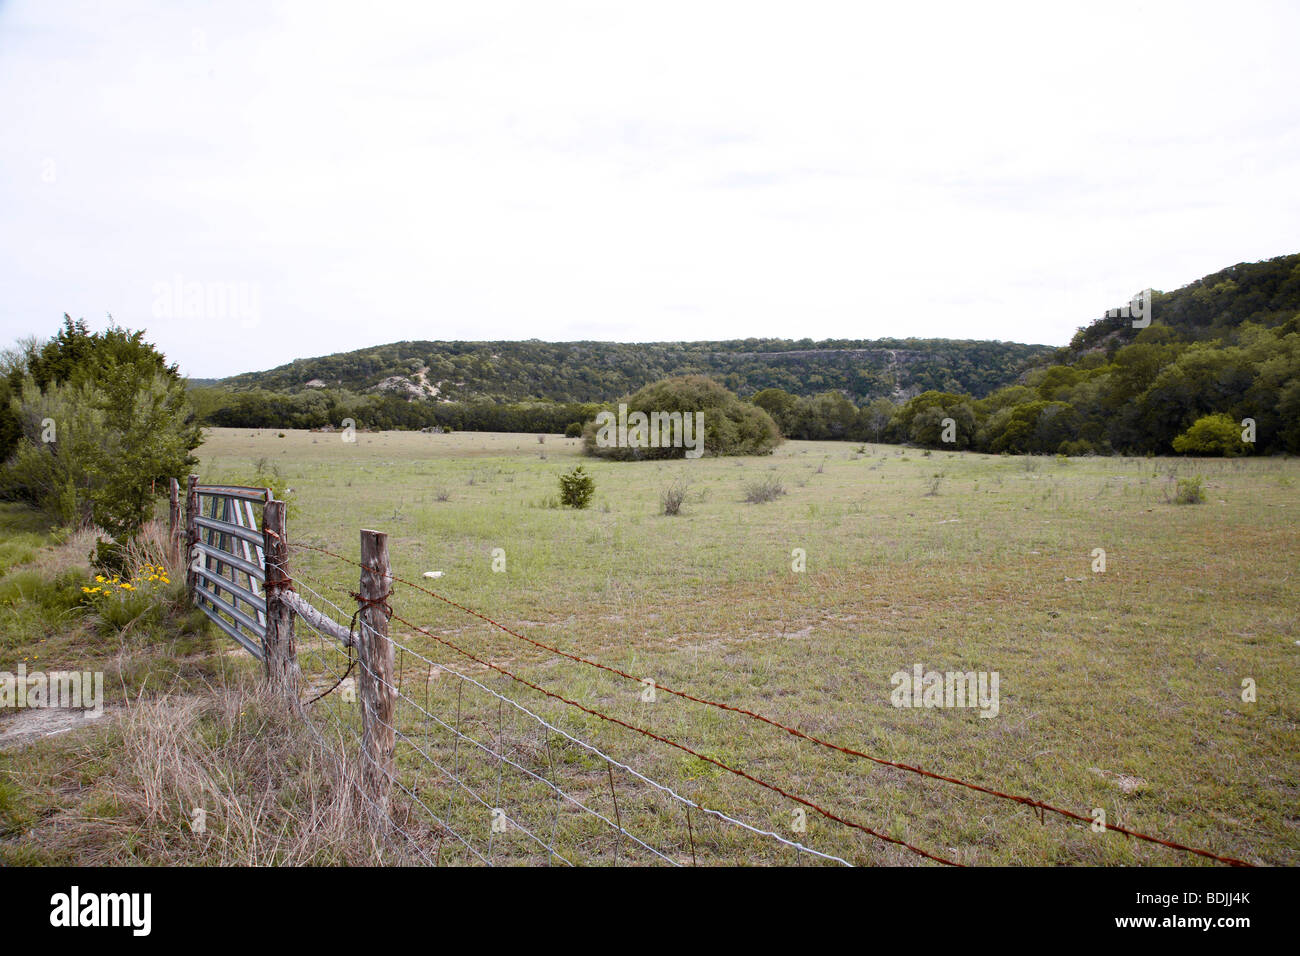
{"x": 317, "y": 177}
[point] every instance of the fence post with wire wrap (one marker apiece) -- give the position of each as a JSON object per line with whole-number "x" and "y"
{"x": 281, "y": 655}
{"x": 377, "y": 693}
{"x": 191, "y": 532}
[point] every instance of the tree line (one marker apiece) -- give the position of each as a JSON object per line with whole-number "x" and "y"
{"x": 259, "y": 408}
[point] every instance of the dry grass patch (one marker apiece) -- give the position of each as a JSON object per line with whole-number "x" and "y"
{"x": 228, "y": 779}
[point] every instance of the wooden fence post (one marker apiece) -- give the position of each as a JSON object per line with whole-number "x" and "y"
{"x": 191, "y": 532}
{"x": 375, "y": 654}
{"x": 281, "y": 655}
{"x": 174, "y": 520}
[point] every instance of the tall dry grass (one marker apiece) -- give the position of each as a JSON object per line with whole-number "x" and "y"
{"x": 227, "y": 779}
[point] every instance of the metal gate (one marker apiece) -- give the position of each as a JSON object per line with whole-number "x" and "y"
{"x": 227, "y": 560}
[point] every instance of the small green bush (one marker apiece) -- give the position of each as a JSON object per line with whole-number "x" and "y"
{"x": 574, "y": 430}
{"x": 1191, "y": 491}
{"x": 576, "y": 488}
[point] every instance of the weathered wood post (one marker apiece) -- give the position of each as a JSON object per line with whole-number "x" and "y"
{"x": 375, "y": 655}
{"x": 281, "y": 655}
{"x": 174, "y": 520}
{"x": 191, "y": 532}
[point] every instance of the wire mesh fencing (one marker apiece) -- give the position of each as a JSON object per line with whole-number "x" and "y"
{"x": 501, "y": 783}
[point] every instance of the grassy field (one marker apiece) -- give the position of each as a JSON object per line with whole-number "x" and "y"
{"x": 1119, "y": 690}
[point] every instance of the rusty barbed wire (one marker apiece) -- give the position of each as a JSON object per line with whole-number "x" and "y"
{"x": 680, "y": 746}
{"x": 1042, "y": 807}
{"x": 564, "y": 795}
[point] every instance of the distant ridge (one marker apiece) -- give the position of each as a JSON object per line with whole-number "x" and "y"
{"x": 601, "y": 371}
{"x": 1217, "y": 307}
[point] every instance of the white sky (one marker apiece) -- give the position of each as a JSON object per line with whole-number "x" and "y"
{"x": 649, "y": 171}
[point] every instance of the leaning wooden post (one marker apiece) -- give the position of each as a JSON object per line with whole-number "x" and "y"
{"x": 191, "y": 532}
{"x": 174, "y": 520}
{"x": 281, "y": 655}
{"x": 375, "y": 655}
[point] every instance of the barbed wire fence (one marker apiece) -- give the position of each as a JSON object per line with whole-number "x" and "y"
{"x": 502, "y": 783}
{"x": 471, "y": 762}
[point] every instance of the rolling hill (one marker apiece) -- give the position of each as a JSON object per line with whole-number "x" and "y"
{"x": 603, "y": 371}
